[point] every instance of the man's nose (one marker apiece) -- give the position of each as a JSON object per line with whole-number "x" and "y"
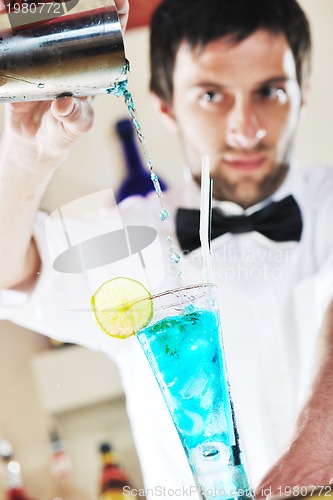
{"x": 243, "y": 127}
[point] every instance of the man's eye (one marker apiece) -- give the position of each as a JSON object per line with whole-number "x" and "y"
{"x": 267, "y": 92}
{"x": 273, "y": 93}
{"x": 212, "y": 96}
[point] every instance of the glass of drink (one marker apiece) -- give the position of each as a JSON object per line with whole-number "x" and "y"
{"x": 183, "y": 345}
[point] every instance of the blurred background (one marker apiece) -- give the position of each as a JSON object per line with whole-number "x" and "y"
{"x": 43, "y": 386}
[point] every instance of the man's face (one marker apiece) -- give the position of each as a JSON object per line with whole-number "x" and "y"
{"x": 239, "y": 104}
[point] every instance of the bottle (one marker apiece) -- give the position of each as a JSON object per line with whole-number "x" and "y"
{"x": 138, "y": 180}
{"x": 62, "y": 470}
{"x": 11, "y": 469}
{"x": 114, "y": 483}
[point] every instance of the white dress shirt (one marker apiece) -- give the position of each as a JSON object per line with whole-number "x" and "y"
{"x": 272, "y": 297}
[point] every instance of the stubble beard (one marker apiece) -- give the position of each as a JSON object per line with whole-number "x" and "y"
{"x": 248, "y": 192}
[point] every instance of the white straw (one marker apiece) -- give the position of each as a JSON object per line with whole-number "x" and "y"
{"x": 204, "y": 233}
{"x": 205, "y": 218}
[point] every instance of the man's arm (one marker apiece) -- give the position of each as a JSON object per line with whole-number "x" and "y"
{"x": 309, "y": 459}
{"x": 36, "y": 140}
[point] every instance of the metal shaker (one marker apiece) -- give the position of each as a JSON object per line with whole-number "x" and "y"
{"x": 70, "y": 48}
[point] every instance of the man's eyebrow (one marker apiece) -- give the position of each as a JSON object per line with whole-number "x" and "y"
{"x": 220, "y": 86}
{"x": 275, "y": 79}
{"x": 209, "y": 84}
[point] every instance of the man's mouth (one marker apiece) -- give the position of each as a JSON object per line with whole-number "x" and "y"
{"x": 245, "y": 162}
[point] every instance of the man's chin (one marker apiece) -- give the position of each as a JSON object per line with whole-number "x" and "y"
{"x": 248, "y": 192}
{"x": 245, "y": 197}
{"x": 247, "y": 200}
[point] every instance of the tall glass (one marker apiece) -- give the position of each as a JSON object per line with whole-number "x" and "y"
{"x": 183, "y": 345}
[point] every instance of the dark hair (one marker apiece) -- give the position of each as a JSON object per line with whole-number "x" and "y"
{"x": 199, "y": 22}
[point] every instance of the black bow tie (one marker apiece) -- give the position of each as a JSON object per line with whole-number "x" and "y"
{"x": 279, "y": 221}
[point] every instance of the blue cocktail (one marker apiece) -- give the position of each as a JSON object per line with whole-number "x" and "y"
{"x": 183, "y": 345}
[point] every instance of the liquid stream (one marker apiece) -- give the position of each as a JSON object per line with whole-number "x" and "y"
{"x": 120, "y": 90}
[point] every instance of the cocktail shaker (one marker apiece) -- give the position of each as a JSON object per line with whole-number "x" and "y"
{"x": 59, "y": 48}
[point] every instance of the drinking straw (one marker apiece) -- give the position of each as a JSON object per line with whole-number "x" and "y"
{"x": 205, "y": 218}
{"x": 205, "y": 238}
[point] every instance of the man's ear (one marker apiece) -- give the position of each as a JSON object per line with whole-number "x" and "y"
{"x": 165, "y": 113}
{"x": 306, "y": 88}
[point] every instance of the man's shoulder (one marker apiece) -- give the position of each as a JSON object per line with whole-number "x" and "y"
{"x": 318, "y": 180}
{"x": 319, "y": 174}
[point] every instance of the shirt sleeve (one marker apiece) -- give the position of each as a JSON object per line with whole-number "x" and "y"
{"x": 58, "y": 305}
{"x": 324, "y": 287}
{"x": 323, "y": 243}
{"x": 11, "y": 300}
{"x": 68, "y": 240}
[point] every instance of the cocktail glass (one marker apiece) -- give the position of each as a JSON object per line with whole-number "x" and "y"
{"x": 184, "y": 347}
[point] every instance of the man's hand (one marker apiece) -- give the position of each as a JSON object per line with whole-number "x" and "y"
{"x": 122, "y": 7}
{"x": 51, "y": 128}
{"x": 45, "y": 130}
